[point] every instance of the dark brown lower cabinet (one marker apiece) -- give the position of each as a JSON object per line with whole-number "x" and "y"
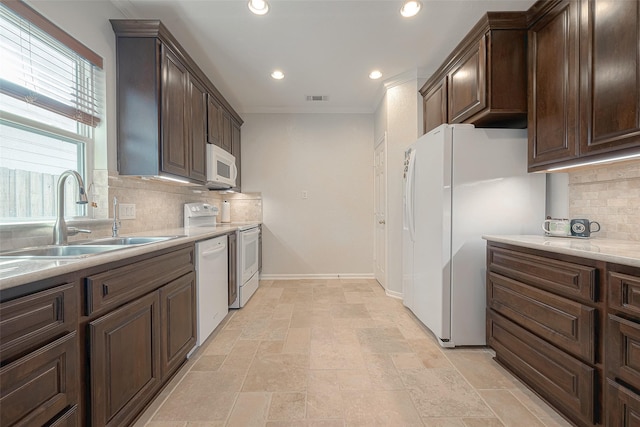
{"x": 623, "y": 406}
{"x": 178, "y": 305}
{"x": 69, "y": 419}
{"x": 544, "y": 315}
{"x": 561, "y": 379}
{"x": 124, "y": 348}
{"x": 622, "y": 354}
{"x": 569, "y": 328}
{"x": 41, "y": 385}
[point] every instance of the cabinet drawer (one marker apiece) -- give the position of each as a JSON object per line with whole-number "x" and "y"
{"x": 565, "y": 323}
{"x": 114, "y": 287}
{"x": 561, "y": 277}
{"x": 562, "y": 380}
{"x": 28, "y": 322}
{"x": 623, "y": 406}
{"x": 624, "y": 292}
{"x": 68, "y": 419}
{"x": 623, "y": 350}
{"x": 37, "y": 387}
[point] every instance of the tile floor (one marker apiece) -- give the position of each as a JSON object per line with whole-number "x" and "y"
{"x": 338, "y": 353}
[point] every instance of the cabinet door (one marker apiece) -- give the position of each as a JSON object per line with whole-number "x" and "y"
{"x": 124, "y": 352}
{"x": 178, "y": 305}
{"x": 467, "y": 84}
{"x": 435, "y": 106}
{"x": 38, "y": 386}
{"x": 198, "y": 131}
{"x": 214, "y": 121}
{"x": 232, "y": 242}
{"x": 226, "y": 132}
{"x": 553, "y": 80}
{"x": 610, "y": 63}
{"x": 235, "y": 150}
{"x": 175, "y": 148}
{"x": 623, "y": 406}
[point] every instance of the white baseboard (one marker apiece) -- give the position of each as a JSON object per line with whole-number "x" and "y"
{"x": 316, "y": 276}
{"x": 394, "y": 294}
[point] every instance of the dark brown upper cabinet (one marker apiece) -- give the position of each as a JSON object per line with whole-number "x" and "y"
{"x": 610, "y": 70}
{"x": 484, "y": 80}
{"x": 553, "y": 85}
{"x": 167, "y": 108}
{"x": 584, "y": 81}
{"x": 198, "y": 131}
{"x": 214, "y": 121}
{"x": 435, "y": 105}
{"x": 226, "y": 133}
{"x": 235, "y": 150}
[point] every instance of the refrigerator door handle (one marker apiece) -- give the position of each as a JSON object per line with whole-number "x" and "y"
{"x": 410, "y": 192}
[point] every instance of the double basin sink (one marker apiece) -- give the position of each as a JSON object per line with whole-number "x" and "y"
{"x": 84, "y": 248}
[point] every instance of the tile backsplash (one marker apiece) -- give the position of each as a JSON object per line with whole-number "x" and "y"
{"x": 610, "y": 195}
{"x": 159, "y": 205}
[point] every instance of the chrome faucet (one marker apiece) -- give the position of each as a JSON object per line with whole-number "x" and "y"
{"x": 116, "y": 221}
{"x": 60, "y": 229}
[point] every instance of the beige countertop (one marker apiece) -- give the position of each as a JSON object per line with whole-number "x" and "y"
{"x": 19, "y": 271}
{"x": 616, "y": 251}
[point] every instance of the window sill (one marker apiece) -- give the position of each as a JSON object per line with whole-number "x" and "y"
{"x": 6, "y": 225}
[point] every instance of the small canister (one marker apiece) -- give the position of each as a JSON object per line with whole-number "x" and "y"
{"x": 226, "y": 212}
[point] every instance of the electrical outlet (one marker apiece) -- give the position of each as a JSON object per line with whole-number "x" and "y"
{"x": 127, "y": 211}
{"x": 304, "y": 194}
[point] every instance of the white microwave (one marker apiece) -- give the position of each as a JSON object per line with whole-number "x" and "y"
{"x": 221, "y": 168}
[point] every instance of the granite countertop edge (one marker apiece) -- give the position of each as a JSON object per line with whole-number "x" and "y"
{"x": 625, "y": 252}
{"x": 31, "y": 270}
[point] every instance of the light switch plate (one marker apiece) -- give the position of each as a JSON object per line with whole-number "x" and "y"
{"x": 127, "y": 211}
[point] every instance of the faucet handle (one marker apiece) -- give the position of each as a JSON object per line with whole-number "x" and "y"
{"x": 72, "y": 231}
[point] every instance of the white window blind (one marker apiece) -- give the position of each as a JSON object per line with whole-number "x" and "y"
{"x": 51, "y": 98}
{"x": 38, "y": 69}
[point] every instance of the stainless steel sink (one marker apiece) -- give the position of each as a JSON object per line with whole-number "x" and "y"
{"x": 57, "y": 252}
{"x": 124, "y": 241}
{"x": 83, "y": 248}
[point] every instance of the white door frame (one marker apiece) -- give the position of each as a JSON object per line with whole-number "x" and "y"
{"x": 380, "y": 145}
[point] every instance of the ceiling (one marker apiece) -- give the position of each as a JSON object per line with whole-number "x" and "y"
{"x": 324, "y": 47}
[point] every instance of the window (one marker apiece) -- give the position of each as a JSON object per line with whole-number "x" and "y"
{"x": 50, "y": 102}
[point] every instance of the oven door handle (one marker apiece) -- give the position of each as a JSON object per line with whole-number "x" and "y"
{"x": 207, "y": 254}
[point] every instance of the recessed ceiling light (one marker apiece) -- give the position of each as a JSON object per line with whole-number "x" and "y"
{"x": 278, "y": 75}
{"x": 259, "y": 7}
{"x": 375, "y": 74}
{"x": 410, "y": 8}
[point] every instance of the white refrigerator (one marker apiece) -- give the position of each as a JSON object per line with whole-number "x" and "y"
{"x": 461, "y": 183}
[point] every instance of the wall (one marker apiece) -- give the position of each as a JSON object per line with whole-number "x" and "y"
{"x": 330, "y": 157}
{"x": 609, "y": 194}
{"x": 401, "y": 113}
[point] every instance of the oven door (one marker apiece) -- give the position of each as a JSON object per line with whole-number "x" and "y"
{"x": 248, "y": 254}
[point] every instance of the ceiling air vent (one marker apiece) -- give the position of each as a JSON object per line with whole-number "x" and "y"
{"x": 317, "y": 98}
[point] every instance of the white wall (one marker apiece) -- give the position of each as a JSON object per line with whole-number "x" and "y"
{"x": 329, "y": 156}
{"x": 401, "y": 113}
